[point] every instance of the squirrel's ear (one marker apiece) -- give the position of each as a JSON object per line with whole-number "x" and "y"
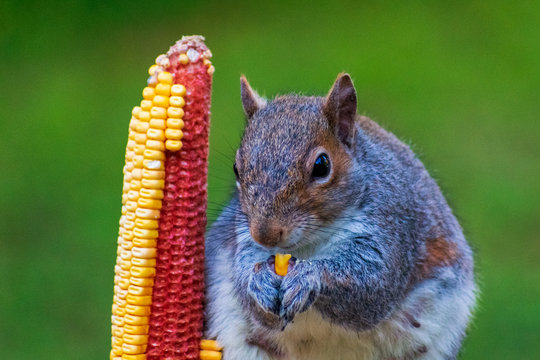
{"x": 340, "y": 108}
{"x": 251, "y": 101}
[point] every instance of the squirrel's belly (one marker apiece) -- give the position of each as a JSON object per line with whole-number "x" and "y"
{"x": 312, "y": 337}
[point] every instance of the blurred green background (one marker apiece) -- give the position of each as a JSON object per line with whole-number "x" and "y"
{"x": 460, "y": 80}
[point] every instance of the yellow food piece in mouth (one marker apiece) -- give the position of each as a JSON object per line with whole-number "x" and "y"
{"x": 282, "y": 264}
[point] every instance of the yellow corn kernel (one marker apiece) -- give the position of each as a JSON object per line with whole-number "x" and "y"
{"x": 173, "y": 145}
{"x": 136, "y": 329}
{"x": 144, "y": 243}
{"x": 145, "y": 223}
{"x": 178, "y": 90}
{"x": 155, "y": 145}
{"x": 175, "y": 112}
{"x": 148, "y": 93}
{"x": 133, "y": 357}
{"x": 211, "y": 70}
{"x": 183, "y": 59}
{"x": 140, "y": 138}
{"x": 136, "y": 110}
{"x": 156, "y": 134}
{"x": 282, "y": 264}
{"x": 174, "y": 123}
{"x": 177, "y": 101}
{"x": 144, "y": 116}
{"x": 143, "y": 262}
{"x": 147, "y": 213}
{"x": 165, "y": 77}
{"x": 139, "y": 290}
{"x": 133, "y": 349}
{"x": 138, "y": 300}
{"x": 209, "y": 355}
{"x": 174, "y": 134}
{"x": 210, "y": 345}
{"x": 163, "y": 89}
{"x": 154, "y": 154}
{"x": 142, "y": 126}
{"x": 161, "y": 101}
{"x": 135, "y": 339}
{"x": 137, "y": 310}
{"x": 153, "y": 184}
{"x": 151, "y": 193}
{"x": 142, "y": 272}
{"x": 147, "y": 282}
{"x": 157, "y": 124}
{"x": 146, "y": 105}
{"x": 152, "y": 70}
{"x": 145, "y": 233}
{"x": 135, "y": 320}
{"x": 144, "y": 253}
{"x": 158, "y": 112}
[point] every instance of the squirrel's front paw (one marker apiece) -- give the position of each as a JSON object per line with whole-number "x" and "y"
{"x": 263, "y": 291}
{"x": 299, "y": 289}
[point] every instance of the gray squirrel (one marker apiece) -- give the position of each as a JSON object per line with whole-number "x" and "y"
{"x": 380, "y": 267}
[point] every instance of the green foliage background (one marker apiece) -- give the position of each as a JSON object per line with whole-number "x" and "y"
{"x": 460, "y": 80}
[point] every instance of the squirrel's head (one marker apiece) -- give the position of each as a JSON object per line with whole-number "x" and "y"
{"x": 294, "y": 164}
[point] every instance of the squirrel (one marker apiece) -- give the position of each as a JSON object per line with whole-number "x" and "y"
{"x": 380, "y": 268}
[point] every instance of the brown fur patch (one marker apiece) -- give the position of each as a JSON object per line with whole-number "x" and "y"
{"x": 439, "y": 252}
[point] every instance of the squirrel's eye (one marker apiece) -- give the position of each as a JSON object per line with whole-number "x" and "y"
{"x": 235, "y": 170}
{"x": 321, "y": 168}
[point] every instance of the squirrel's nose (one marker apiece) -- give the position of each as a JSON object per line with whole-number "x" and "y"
{"x": 267, "y": 232}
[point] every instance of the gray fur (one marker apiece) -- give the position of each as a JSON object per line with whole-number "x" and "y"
{"x": 362, "y": 242}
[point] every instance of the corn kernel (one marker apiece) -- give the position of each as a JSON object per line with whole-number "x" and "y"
{"x": 154, "y": 154}
{"x": 134, "y": 309}
{"x": 163, "y": 89}
{"x": 117, "y": 320}
{"x": 165, "y": 77}
{"x": 140, "y": 138}
{"x": 141, "y": 127}
{"x": 133, "y": 357}
{"x": 155, "y": 145}
{"x": 154, "y": 164}
{"x": 147, "y": 282}
{"x": 133, "y": 349}
{"x": 175, "y": 112}
{"x": 148, "y": 93}
{"x": 146, "y": 105}
{"x": 177, "y": 101}
{"x": 139, "y": 290}
{"x": 156, "y": 134}
{"x": 142, "y": 272}
{"x": 143, "y": 262}
{"x": 282, "y": 264}
{"x": 144, "y": 116}
{"x": 174, "y": 134}
{"x": 173, "y": 145}
{"x": 211, "y": 70}
{"x": 136, "y": 110}
{"x": 209, "y": 355}
{"x": 210, "y": 345}
{"x": 135, "y": 320}
{"x": 183, "y": 59}
{"x": 151, "y": 193}
{"x": 148, "y": 213}
{"x": 158, "y": 112}
{"x": 178, "y": 90}
{"x": 152, "y": 69}
{"x": 136, "y": 329}
{"x": 148, "y": 204}
{"x": 160, "y": 100}
{"x": 136, "y": 173}
{"x": 157, "y": 124}
{"x": 145, "y": 233}
{"x": 175, "y": 123}
{"x": 144, "y": 253}
{"x": 135, "y": 339}
{"x": 144, "y": 243}
{"x": 139, "y": 149}
{"x": 153, "y": 174}
{"x": 139, "y": 300}
{"x": 116, "y": 350}
{"x": 117, "y": 341}
{"x": 145, "y": 223}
